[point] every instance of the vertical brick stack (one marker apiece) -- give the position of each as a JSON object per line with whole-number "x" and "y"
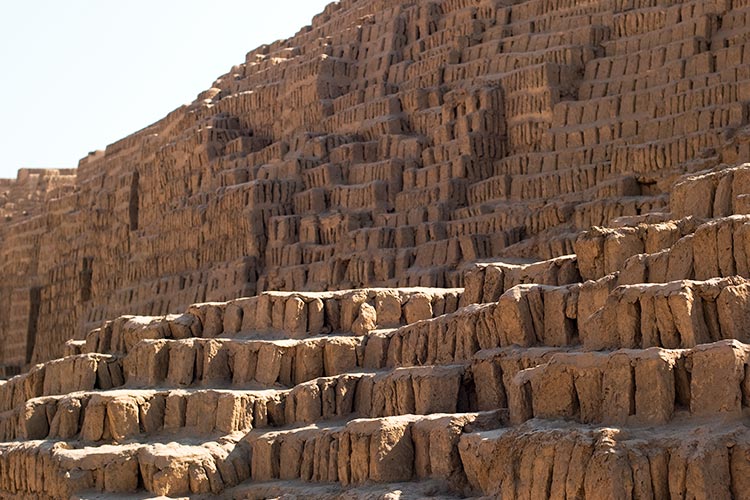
{"x": 466, "y": 247}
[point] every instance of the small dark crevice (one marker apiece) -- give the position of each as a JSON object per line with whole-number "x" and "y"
{"x": 86, "y": 275}
{"x": 35, "y": 299}
{"x": 467, "y": 395}
{"x": 638, "y": 331}
{"x": 710, "y": 315}
{"x": 576, "y": 401}
{"x": 571, "y": 326}
{"x": 526, "y": 402}
{"x": 632, "y": 391}
{"x": 82, "y": 413}
{"x": 134, "y": 201}
{"x": 682, "y": 379}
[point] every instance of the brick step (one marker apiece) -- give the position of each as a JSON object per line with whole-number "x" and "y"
{"x": 529, "y": 315}
{"x": 487, "y": 281}
{"x": 600, "y": 80}
{"x": 588, "y": 35}
{"x": 718, "y": 192}
{"x": 391, "y": 449}
{"x": 59, "y": 469}
{"x": 120, "y": 415}
{"x": 117, "y": 415}
{"x": 240, "y": 363}
{"x": 630, "y": 387}
{"x": 598, "y": 314}
{"x": 542, "y": 459}
{"x": 577, "y": 185}
{"x": 547, "y": 161}
{"x": 633, "y": 388}
{"x": 540, "y": 17}
{"x": 384, "y": 450}
{"x": 499, "y": 221}
{"x": 83, "y": 372}
{"x": 678, "y": 314}
{"x": 276, "y": 315}
{"x": 601, "y": 251}
{"x": 401, "y": 449}
{"x": 563, "y": 54}
{"x": 354, "y": 452}
{"x": 604, "y": 212}
{"x": 657, "y": 28}
{"x": 656, "y": 253}
{"x": 525, "y": 315}
{"x": 649, "y": 159}
{"x": 391, "y": 267}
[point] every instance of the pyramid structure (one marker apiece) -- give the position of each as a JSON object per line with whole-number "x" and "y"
{"x": 422, "y": 249}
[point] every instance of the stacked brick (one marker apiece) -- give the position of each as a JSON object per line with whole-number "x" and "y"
{"x": 390, "y": 143}
{"x": 447, "y": 247}
{"x": 27, "y": 206}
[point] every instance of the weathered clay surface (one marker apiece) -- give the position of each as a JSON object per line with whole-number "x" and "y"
{"x": 421, "y": 249}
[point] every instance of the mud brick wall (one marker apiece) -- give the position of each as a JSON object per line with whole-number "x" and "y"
{"x": 387, "y": 144}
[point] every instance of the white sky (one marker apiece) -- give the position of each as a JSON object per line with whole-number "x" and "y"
{"x": 76, "y": 75}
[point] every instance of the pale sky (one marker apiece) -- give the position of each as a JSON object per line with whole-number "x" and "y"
{"x": 77, "y": 75}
